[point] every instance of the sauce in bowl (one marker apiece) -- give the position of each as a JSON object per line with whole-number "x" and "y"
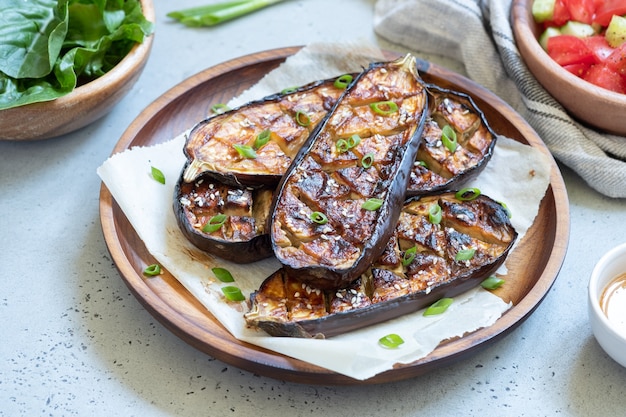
{"x": 613, "y": 302}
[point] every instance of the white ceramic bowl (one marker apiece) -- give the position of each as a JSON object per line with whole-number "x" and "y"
{"x": 611, "y": 265}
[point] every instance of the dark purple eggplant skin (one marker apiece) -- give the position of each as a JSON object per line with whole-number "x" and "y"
{"x": 241, "y": 251}
{"x": 464, "y": 176}
{"x": 328, "y": 277}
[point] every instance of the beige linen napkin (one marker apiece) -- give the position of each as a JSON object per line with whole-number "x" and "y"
{"x": 478, "y": 34}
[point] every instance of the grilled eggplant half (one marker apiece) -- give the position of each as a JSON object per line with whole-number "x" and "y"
{"x": 337, "y": 204}
{"x": 442, "y": 246}
{"x": 254, "y": 144}
{"x": 223, "y": 220}
{"x": 456, "y": 144}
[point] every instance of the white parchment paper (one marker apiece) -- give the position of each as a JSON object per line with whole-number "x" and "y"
{"x": 517, "y": 175}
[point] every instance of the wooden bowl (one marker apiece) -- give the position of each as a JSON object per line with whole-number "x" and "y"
{"x": 86, "y": 104}
{"x": 597, "y": 107}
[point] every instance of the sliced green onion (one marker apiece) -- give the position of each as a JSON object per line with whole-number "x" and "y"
{"x": 492, "y": 283}
{"x": 409, "y": 255}
{"x": 384, "y": 107}
{"x": 342, "y": 145}
{"x": 214, "y": 223}
{"x": 435, "y": 213}
{"x": 318, "y": 217}
{"x": 343, "y": 81}
{"x": 219, "y": 108}
{"x": 223, "y": 274}
{"x": 157, "y": 174}
{"x": 422, "y": 164}
{"x": 233, "y": 293}
{"x": 262, "y": 138}
{"x": 467, "y": 194}
{"x": 289, "y": 90}
{"x": 464, "y": 254}
{"x": 438, "y": 307}
{"x": 390, "y": 341}
{"x": 372, "y": 204}
{"x": 302, "y": 118}
{"x": 152, "y": 270}
{"x": 367, "y": 160}
{"x": 245, "y": 151}
{"x": 448, "y": 137}
{"x": 354, "y": 140}
{"x": 214, "y": 14}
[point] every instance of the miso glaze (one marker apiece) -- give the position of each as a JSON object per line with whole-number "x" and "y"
{"x": 613, "y": 302}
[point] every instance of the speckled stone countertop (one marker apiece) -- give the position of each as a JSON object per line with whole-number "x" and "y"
{"x": 76, "y": 342}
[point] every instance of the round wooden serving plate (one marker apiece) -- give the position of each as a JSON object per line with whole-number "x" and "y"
{"x": 533, "y": 267}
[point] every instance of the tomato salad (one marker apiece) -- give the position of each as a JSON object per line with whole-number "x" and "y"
{"x": 587, "y": 38}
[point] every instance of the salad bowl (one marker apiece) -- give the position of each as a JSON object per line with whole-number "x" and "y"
{"x": 594, "y": 106}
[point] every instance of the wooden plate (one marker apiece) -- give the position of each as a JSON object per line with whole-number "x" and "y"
{"x": 533, "y": 267}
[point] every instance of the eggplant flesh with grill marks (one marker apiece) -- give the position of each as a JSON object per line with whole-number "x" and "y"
{"x": 440, "y": 167}
{"x": 240, "y": 235}
{"x": 418, "y": 267}
{"x": 436, "y": 167}
{"x": 288, "y": 118}
{"x": 362, "y": 152}
{"x": 210, "y": 144}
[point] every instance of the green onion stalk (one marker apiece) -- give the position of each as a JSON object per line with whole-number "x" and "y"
{"x": 214, "y": 14}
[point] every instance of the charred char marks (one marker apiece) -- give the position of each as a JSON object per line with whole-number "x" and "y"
{"x": 361, "y": 153}
{"x": 287, "y": 118}
{"x": 439, "y": 167}
{"x": 238, "y": 215}
{"x": 418, "y": 266}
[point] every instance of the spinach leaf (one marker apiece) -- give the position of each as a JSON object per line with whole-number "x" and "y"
{"x": 97, "y": 35}
{"x": 31, "y": 36}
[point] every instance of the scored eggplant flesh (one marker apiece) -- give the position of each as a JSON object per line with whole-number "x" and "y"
{"x": 240, "y": 235}
{"x": 436, "y": 168}
{"x": 209, "y": 146}
{"x": 440, "y": 167}
{"x": 418, "y": 267}
{"x": 287, "y": 118}
{"x": 362, "y": 153}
